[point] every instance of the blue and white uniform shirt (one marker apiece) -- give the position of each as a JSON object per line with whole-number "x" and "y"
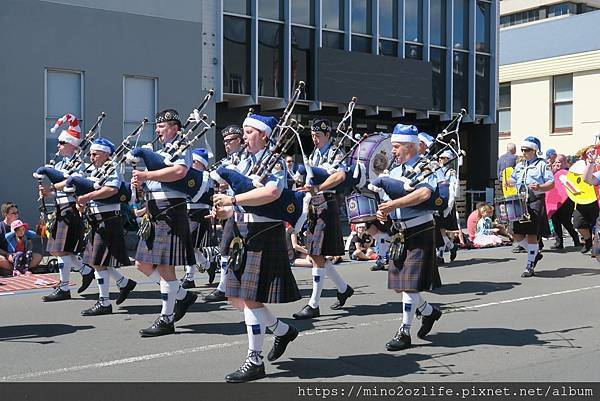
{"x": 60, "y": 166}
{"x": 185, "y": 159}
{"x": 530, "y": 172}
{"x": 114, "y": 180}
{"x": 274, "y": 180}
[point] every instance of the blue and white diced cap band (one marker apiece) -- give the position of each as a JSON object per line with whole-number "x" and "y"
{"x": 426, "y": 138}
{"x": 531, "y": 142}
{"x": 405, "y": 133}
{"x": 103, "y": 145}
{"x": 261, "y": 123}
{"x": 201, "y": 155}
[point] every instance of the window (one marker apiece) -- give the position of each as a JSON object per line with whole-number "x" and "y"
{"x": 361, "y": 16}
{"x": 413, "y": 20}
{"x": 361, "y": 44}
{"x": 388, "y": 18}
{"x": 504, "y": 109}
{"x": 64, "y": 94}
{"x": 270, "y": 59}
{"x": 388, "y": 48}
{"x": 460, "y": 81}
{"x": 303, "y": 12}
{"x": 562, "y": 9}
{"x": 139, "y": 102}
{"x": 461, "y": 24}
{"x": 333, "y": 40}
{"x": 482, "y": 84}
{"x": 237, "y": 6}
{"x": 438, "y": 22}
{"x": 271, "y": 9}
{"x": 482, "y": 43}
{"x": 414, "y": 52}
{"x": 303, "y": 40}
{"x": 333, "y": 14}
{"x": 438, "y": 69}
{"x": 563, "y": 103}
{"x": 236, "y": 55}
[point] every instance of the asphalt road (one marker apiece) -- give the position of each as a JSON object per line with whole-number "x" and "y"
{"x": 496, "y": 326}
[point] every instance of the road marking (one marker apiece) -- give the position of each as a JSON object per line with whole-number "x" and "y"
{"x": 211, "y": 347}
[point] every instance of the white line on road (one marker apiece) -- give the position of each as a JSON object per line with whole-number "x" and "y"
{"x": 211, "y": 347}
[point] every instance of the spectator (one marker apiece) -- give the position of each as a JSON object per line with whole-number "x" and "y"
{"x": 360, "y": 245}
{"x": 509, "y": 159}
{"x": 10, "y": 212}
{"x": 290, "y": 168}
{"x": 472, "y": 221}
{"x": 550, "y": 156}
{"x": 486, "y": 234}
{"x": 20, "y": 246}
{"x": 297, "y": 252}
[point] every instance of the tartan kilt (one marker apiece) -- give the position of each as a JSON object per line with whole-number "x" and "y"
{"x": 537, "y": 216}
{"x": 324, "y": 233}
{"x": 170, "y": 242}
{"x": 200, "y": 227}
{"x": 227, "y": 236}
{"x": 267, "y": 275}
{"x": 67, "y": 235}
{"x": 416, "y": 269}
{"x": 106, "y": 246}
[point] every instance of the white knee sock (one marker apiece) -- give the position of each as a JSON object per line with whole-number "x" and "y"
{"x": 189, "y": 272}
{"x": 155, "y": 277}
{"x": 65, "y": 273}
{"x": 168, "y": 290}
{"x": 256, "y": 335}
{"x": 181, "y": 293}
{"x": 223, "y": 279}
{"x": 339, "y": 282}
{"x": 524, "y": 243}
{"x": 384, "y": 246}
{"x": 103, "y": 280}
{"x": 116, "y": 275}
{"x": 425, "y": 308}
{"x": 318, "y": 275}
{"x": 410, "y": 301}
{"x": 200, "y": 258}
{"x": 77, "y": 264}
{"x": 448, "y": 245}
{"x": 532, "y": 251}
{"x": 277, "y": 327}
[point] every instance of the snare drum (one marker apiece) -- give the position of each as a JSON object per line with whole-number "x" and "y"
{"x": 361, "y": 208}
{"x": 375, "y": 154}
{"x": 513, "y": 208}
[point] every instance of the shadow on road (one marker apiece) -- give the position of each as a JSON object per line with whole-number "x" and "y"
{"x": 476, "y": 261}
{"x": 487, "y": 336}
{"x": 30, "y": 332}
{"x": 566, "y": 272}
{"x": 474, "y": 287}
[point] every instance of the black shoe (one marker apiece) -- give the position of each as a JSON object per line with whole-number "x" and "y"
{"x": 528, "y": 273}
{"x": 519, "y": 249}
{"x": 281, "y": 342}
{"x": 187, "y": 284}
{"x": 557, "y": 246}
{"x": 538, "y": 257}
{"x": 453, "y": 252}
{"x": 124, "y": 292}
{"x": 400, "y": 341}
{"x": 440, "y": 261}
{"x": 215, "y": 296}
{"x": 307, "y": 312}
{"x": 97, "y": 310}
{"x": 428, "y": 321}
{"x": 377, "y": 267}
{"x": 342, "y": 298}
{"x": 182, "y": 306}
{"x": 212, "y": 272}
{"x": 86, "y": 280}
{"x": 587, "y": 245}
{"x": 57, "y": 295}
{"x": 246, "y": 373}
{"x": 160, "y": 327}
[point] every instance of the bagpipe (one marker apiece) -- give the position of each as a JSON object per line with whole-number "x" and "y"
{"x": 291, "y": 206}
{"x": 194, "y": 183}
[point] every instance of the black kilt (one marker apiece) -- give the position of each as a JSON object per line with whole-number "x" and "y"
{"x": 449, "y": 222}
{"x": 200, "y": 227}
{"x": 416, "y": 269}
{"x": 67, "y": 235}
{"x": 324, "y": 233}
{"x": 537, "y": 215}
{"x": 227, "y": 236}
{"x": 267, "y": 275}
{"x": 584, "y": 216}
{"x": 170, "y": 242}
{"x": 106, "y": 246}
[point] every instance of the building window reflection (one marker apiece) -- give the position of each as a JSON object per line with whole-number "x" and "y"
{"x": 361, "y": 44}
{"x": 332, "y": 14}
{"x": 460, "y": 81}
{"x": 482, "y": 22}
{"x": 270, "y": 9}
{"x": 562, "y": 113}
{"x": 482, "y": 84}
{"x": 303, "y": 12}
{"x": 388, "y": 18}
{"x": 438, "y": 68}
{"x": 333, "y": 40}
{"x": 237, "y": 6}
{"x": 361, "y": 16}
{"x": 303, "y": 59}
{"x": 236, "y": 55}
{"x": 413, "y": 51}
{"x": 270, "y": 59}
{"x": 388, "y": 48}
{"x": 504, "y": 110}
{"x": 438, "y": 22}
{"x": 461, "y": 24}
{"x": 413, "y": 20}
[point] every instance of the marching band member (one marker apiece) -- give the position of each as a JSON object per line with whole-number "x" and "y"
{"x": 106, "y": 248}
{"x": 198, "y": 212}
{"x": 169, "y": 241}
{"x": 563, "y": 215}
{"x": 66, "y": 238}
{"x": 232, "y": 140}
{"x": 413, "y": 266}
{"x": 532, "y": 177}
{"x": 265, "y": 275}
{"x": 448, "y": 220}
{"x": 324, "y": 234}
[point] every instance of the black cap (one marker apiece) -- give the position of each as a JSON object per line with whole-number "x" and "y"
{"x": 321, "y": 125}
{"x": 232, "y": 130}
{"x": 168, "y": 115}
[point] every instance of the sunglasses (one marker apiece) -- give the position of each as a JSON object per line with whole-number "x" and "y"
{"x": 289, "y": 161}
{"x": 62, "y": 142}
{"x": 526, "y": 150}
{"x": 13, "y": 212}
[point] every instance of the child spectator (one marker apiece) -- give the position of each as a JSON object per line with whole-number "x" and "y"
{"x": 19, "y": 242}
{"x": 360, "y": 244}
{"x": 473, "y": 219}
{"x": 485, "y": 235}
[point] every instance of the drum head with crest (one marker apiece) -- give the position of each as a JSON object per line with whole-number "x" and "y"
{"x": 375, "y": 153}
{"x": 578, "y": 190}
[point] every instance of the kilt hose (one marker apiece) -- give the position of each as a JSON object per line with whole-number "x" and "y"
{"x": 170, "y": 242}
{"x": 267, "y": 276}
{"x": 106, "y": 246}
{"x": 537, "y": 218}
{"x": 200, "y": 227}
{"x": 324, "y": 233}
{"x": 416, "y": 269}
{"x": 67, "y": 235}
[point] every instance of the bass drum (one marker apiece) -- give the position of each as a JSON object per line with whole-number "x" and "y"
{"x": 375, "y": 153}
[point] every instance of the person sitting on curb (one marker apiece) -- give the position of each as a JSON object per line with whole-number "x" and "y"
{"x": 20, "y": 243}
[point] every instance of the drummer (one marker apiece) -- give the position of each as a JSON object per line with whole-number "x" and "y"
{"x": 533, "y": 178}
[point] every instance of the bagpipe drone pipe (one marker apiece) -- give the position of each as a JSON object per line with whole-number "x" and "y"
{"x": 291, "y": 206}
{"x": 320, "y": 174}
{"x": 82, "y": 185}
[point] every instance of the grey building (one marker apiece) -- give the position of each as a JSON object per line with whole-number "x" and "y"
{"x": 410, "y": 61}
